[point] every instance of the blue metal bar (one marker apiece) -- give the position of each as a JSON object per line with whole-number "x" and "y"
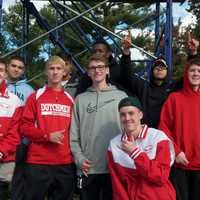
{"x": 44, "y": 24}
{"x": 168, "y": 36}
{"x": 25, "y": 30}
{"x": 74, "y": 25}
{"x": 157, "y": 30}
{"x": 159, "y": 50}
{"x": 1, "y": 1}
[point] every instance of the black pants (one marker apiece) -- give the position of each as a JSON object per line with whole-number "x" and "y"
{"x": 97, "y": 187}
{"x": 186, "y": 183}
{"x": 56, "y": 181}
{"x": 18, "y": 182}
{"x": 4, "y": 190}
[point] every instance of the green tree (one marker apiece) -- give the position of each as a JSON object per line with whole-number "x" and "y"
{"x": 111, "y": 15}
{"x": 195, "y": 10}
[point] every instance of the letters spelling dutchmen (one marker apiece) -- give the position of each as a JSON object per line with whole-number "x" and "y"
{"x": 55, "y": 109}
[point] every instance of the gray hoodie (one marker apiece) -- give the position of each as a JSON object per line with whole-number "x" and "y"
{"x": 95, "y": 121}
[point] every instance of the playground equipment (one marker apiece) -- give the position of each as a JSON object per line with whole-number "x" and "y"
{"x": 63, "y": 10}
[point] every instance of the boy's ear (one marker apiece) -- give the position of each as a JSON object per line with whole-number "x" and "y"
{"x": 107, "y": 71}
{"x": 109, "y": 53}
{"x": 141, "y": 114}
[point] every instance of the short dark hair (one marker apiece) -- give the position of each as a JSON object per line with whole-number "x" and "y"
{"x": 16, "y": 58}
{"x": 102, "y": 41}
{"x": 194, "y": 61}
{"x": 96, "y": 57}
{"x": 2, "y": 62}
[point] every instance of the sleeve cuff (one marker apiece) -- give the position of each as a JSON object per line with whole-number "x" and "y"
{"x": 79, "y": 161}
{"x": 2, "y": 155}
{"x": 46, "y": 137}
{"x": 177, "y": 150}
{"x": 135, "y": 153}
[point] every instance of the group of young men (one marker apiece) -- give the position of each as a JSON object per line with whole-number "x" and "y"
{"x": 104, "y": 141}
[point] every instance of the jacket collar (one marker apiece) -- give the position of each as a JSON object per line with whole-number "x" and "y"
{"x": 141, "y": 135}
{"x": 3, "y": 90}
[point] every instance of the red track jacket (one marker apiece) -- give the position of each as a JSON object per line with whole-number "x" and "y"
{"x": 47, "y": 111}
{"x": 142, "y": 175}
{"x": 10, "y": 113}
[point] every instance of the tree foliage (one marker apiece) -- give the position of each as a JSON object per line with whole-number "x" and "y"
{"x": 111, "y": 15}
{"x": 195, "y": 10}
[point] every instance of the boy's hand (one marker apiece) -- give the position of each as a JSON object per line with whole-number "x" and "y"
{"x": 57, "y": 137}
{"x": 126, "y": 43}
{"x": 192, "y": 44}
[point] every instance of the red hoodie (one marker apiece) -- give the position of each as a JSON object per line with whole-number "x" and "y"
{"x": 10, "y": 113}
{"x": 180, "y": 119}
{"x": 47, "y": 111}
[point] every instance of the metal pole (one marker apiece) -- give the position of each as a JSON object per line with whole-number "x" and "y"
{"x": 46, "y": 33}
{"x": 137, "y": 22}
{"x": 25, "y": 31}
{"x": 107, "y": 30}
{"x": 157, "y": 31}
{"x": 0, "y": 14}
{"x": 168, "y": 36}
{"x": 74, "y": 26}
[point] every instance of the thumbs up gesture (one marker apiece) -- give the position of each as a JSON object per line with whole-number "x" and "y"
{"x": 126, "y": 43}
{"x": 192, "y": 44}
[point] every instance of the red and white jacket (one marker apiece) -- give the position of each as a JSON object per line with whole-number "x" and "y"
{"x": 10, "y": 113}
{"x": 47, "y": 111}
{"x": 144, "y": 174}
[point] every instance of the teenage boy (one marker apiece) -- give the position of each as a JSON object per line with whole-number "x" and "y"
{"x": 94, "y": 122}
{"x": 16, "y": 81}
{"x": 102, "y": 48}
{"x": 140, "y": 158}
{"x": 45, "y": 122}
{"x": 18, "y": 85}
{"x": 180, "y": 118}
{"x": 69, "y": 82}
{"x": 153, "y": 93}
{"x": 9, "y": 135}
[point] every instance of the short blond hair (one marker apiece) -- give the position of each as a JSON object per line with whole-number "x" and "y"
{"x": 55, "y": 60}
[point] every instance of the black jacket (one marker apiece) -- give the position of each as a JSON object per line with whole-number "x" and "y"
{"x": 150, "y": 95}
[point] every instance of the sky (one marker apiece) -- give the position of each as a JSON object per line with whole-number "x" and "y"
{"x": 181, "y": 11}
